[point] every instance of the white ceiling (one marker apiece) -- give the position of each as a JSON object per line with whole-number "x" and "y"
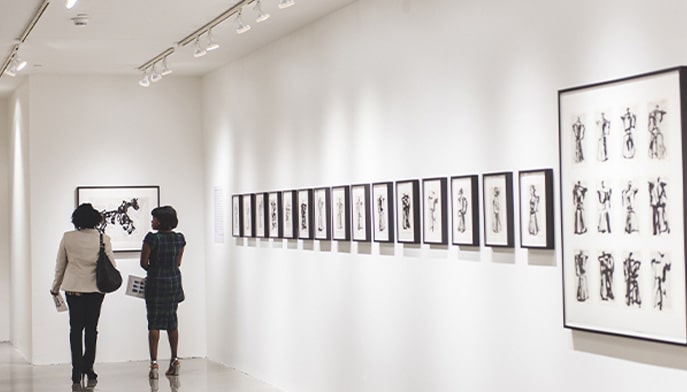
{"x": 122, "y": 35}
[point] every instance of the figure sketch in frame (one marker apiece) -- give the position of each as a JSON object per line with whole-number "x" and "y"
{"x": 340, "y": 212}
{"x": 605, "y": 129}
{"x": 273, "y": 216}
{"x": 579, "y": 195}
{"x": 629, "y": 195}
{"x": 657, "y": 147}
{"x": 381, "y": 212}
{"x": 462, "y": 210}
{"x": 304, "y": 216}
{"x": 432, "y": 203}
{"x": 359, "y": 213}
{"x": 631, "y": 271}
{"x": 604, "y": 194}
{"x": 287, "y": 212}
{"x": 581, "y": 273}
{"x": 658, "y": 199}
{"x": 606, "y": 268}
{"x": 120, "y": 216}
{"x": 578, "y": 133}
{"x": 660, "y": 268}
{"x": 261, "y": 217}
{"x": 320, "y": 214}
{"x": 405, "y": 209}
{"x": 629, "y": 124}
{"x": 496, "y": 225}
{"x": 533, "y": 224}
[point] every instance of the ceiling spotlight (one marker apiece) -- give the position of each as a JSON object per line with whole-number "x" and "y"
{"x": 19, "y": 64}
{"x": 261, "y": 15}
{"x": 199, "y": 51}
{"x": 70, "y": 3}
{"x": 154, "y": 75}
{"x": 286, "y": 3}
{"x": 144, "y": 82}
{"x": 240, "y": 26}
{"x": 212, "y": 44}
{"x": 165, "y": 70}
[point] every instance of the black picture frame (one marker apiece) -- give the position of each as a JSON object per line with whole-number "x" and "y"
{"x": 275, "y": 215}
{"x": 434, "y": 212}
{"x": 260, "y": 215}
{"x": 289, "y": 214}
{"x": 497, "y": 191}
{"x": 341, "y": 213}
{"x": 305, "y": 214}
{"x": 383, "y": 211}
{"x": 536, "y": 208}
{"x": 322, "y": 213}
{"x": 236, "y": 216}
{"x": 360, "y": 213}
{"x": 408, "y": 211}
{"x": 248, "y": 202}
{"x": 465, "y": 210}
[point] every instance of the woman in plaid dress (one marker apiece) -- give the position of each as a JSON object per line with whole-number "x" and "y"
{"x": 161, "y": 257}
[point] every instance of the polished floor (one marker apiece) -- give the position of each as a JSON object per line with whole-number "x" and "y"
{"x": 197, "y": 375}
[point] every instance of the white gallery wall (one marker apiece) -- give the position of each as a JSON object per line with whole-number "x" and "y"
{"x": 104, "y": 131}
{"x": 388, "y": 90}
{"x": 4, "y": 224}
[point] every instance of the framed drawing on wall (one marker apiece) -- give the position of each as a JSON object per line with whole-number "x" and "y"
{"x": 305, "y": 215}
{"x": 341, "y": 213}
{"x": 536, "y": 208}
{"x": 497, "y": 191}
{"x": 126, "y": 212}
{"x": 383, "y": 211}
{"x": 236, "y": 216}
{"x": 248, "y": 201}
{"x": 408, "y": 211}
{"x": 622, "y": 183}
{"x": 434, "y": 214}
{"x": 289, "y": 214}
{"x": 360, "y": 200}
{"x": 261, "y": 215}
{"x": 322, "y": 213}
{"x": 274, "y": 215}
{"x": 465, "y": 210}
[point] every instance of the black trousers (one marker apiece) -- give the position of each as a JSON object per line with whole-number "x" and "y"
{"x": 84, "y": 312}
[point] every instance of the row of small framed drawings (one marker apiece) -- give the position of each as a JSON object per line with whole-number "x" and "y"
{"x": 365, "y": 212}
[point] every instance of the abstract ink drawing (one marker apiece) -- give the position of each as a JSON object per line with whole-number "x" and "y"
{"x": 579, "y": 194}
{"x": 605, "y": 129}
{"x": 533, "y": 224}
{"x": 381, "y": 212}
{"x": 629, "y": 123}
{"x": 462, "y": 210}
{"x": 629, "y": 195}
{"x": 604, "y": 193}
{"x": 432, "y": 202}
{"x": 320, "y": 215}
{"x": 657, "y": 147}
{"x": 658, "y": 200}
{"x": 120, "y": 216}
{"x": 631, "y": 272}
{"x": 274, "y": 221}
{"x": 606, "y": 268}
{"x": 340, "y": 213}
{"x": 304, "y": 216}
{"x": 405, "y": 205}
{"x": 581, "y": 274}
{"x": 578, "y": 133}
{"x": 359, "y": 213}
{"x": 660, "y": 268}
{"x": 496, "y": 225}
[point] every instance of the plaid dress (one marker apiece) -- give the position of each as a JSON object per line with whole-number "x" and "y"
{"x": 163, "y": 282}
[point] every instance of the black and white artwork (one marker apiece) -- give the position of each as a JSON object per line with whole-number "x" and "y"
{"x": 434, "y": 214}
{"x": 622, "y": 206}
{"x": 341, "y": 213}
{"x": 383, "y": 211}
{"x": 236, "y": 216}
{"x": 408, "y": 211}
{"x": 289, "y": 214}
{"x": 465, "y": 210}
{"x": 360, "y": 212}
{"x": 305, "y": 214}
{"x": 498, "y": 209}
{"x": 274, "y": 215}
{"x": 261, "y": 212}
{"x": 322, "y": 213}
{"x": 126, "y": 212}
{"x": 248, "y": 201}
{"x": 536, "y": 209}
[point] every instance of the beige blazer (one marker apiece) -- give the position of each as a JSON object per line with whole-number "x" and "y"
{"x": 76, "y": 259}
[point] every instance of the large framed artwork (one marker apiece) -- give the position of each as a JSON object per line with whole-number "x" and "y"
{"x": 623, "y": 206}
{"x": 408, "y": 211}
{"x": 434, "y": 214}
{"x": 289, "y": 214}
{"x": 341, "y": 213}
{"x": 360, "y": 200}
{"x": 465, "y": 210}
{"x": 248, "y": 201}
{"x": 497, "y": 191}
{"x": 536, "y": 208}
{"x": 322, "y": 213}
{"x": 261, "y": 215}
{"x": 126, "y": 212}
{"x": 305, "y": 215}
{"x": 236, "y": 216}
{"x": 383, "y": 211}
{"x": 274, "y": 215}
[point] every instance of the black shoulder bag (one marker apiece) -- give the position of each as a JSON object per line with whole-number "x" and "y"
{"x": 107, "y": 277}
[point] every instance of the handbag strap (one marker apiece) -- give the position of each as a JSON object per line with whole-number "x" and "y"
{"x": 102, "y": 244}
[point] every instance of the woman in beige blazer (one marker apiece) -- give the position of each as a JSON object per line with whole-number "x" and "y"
{"x": 75, "y": 274}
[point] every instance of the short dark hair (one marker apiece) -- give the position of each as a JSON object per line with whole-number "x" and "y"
{"x": 86, "y": 217}
{"x": 167, "y": 217}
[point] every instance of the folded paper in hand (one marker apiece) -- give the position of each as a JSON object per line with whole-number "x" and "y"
{"x": 60, "y": 305}
{"x": 136, "y": 287}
